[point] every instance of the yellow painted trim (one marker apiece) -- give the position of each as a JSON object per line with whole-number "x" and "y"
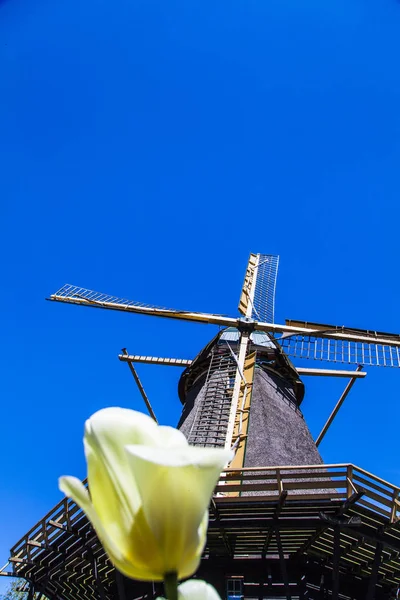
{"x": 247, "y": 284}
{"x": 248, "y": 372}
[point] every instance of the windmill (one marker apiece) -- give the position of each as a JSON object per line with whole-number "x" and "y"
{"x": 252, "y": 345}
{"x": 282, "y": 523}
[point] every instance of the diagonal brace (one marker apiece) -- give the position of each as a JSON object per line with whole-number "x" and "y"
{"x": 337, "y": 407}
{"x": 140, "y": 386}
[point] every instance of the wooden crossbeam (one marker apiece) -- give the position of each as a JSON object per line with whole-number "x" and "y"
{"x": 353, "y": 546}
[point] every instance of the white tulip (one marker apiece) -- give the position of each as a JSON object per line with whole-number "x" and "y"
{"x": 149, "y": 493}
{"x": 196, "y": 589}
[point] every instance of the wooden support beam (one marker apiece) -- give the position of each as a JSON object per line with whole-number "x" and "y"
{"x": 337, "y": 407}
{"x": 20, "y": 561}
{"x": 58, "y": 525}
{"x": 374, "y": 573}
{"x": 217, "y": 522}
{"x": 336, "y": 562}
{"x": 340, "y": 512}
{"x": 350, "y": 501}
{"x": 36, "y": 544}
{"x": 31, "y": 591}
{"x": 279, "y": 506}
{"x": 99, "y": 583}
{"x": 282, "y": 564}
{"x": 303, "y": 591}
{"x": 281, "y": 502}
{"x": 267, "y": 542}
{"x": 120, "y": 585}
{"x": 322, "y": 587}
{"x": 353, "y": 546}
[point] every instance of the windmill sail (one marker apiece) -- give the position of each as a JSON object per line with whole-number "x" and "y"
{"x": 382, "y": 351}
{"x": 264, "y": 296}
{"x": 258, "y": 293}
{"x": 72, "y": 294}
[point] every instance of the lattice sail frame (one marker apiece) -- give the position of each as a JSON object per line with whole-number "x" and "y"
{"x": 79, "y": 294}
{"x": 342, "y": 350}
{"x": 264, "y": 296}
{"x": 257, "y": 300}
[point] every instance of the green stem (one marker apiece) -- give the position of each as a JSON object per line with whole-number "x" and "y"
{"x": 171, "y": 585}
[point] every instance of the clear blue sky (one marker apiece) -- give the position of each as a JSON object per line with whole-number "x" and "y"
{"x": 146, "y": 147}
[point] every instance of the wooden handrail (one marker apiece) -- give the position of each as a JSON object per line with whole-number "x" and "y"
{"x": 374, "y": 477}
{"x": 294, "y": 468}
{"x": 314, "y": 481}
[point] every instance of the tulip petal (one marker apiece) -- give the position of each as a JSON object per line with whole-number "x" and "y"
{"x": 175, "y": 485}
{"x": 171, "y": 437}
{"x": 191, "y": 564}
{"x": 106, "y": 434}
{"x": 182, "y": 456}
{"x": 114, "y": 516}
{"x": 196, "y": 589}
{"x": 117, "y": 551}
{"x": 73, "y": 488}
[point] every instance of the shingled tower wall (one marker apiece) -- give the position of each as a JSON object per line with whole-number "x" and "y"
{"x": 278, "y": 434}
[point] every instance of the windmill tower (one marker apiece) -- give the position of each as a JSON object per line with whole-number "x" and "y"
{"x": 282, "y": 523}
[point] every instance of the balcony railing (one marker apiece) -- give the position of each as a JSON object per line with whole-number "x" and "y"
{"x": 311, "y": 482}
{"x": 314, "y": 483}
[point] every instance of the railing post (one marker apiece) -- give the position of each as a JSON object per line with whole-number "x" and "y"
{"x": 393, "y": 513}
{"x": 349, "y": 480}
{"x": 279, "y": 481}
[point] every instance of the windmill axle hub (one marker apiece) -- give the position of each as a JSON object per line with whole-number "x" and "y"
{"x": 246, "y": 324}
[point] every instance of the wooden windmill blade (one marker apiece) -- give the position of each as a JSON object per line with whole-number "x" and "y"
{"x": 72, "y": 294}
{"x": 338, "y": 344}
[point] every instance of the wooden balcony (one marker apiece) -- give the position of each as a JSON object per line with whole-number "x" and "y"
{"x": 337, "y": 515}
